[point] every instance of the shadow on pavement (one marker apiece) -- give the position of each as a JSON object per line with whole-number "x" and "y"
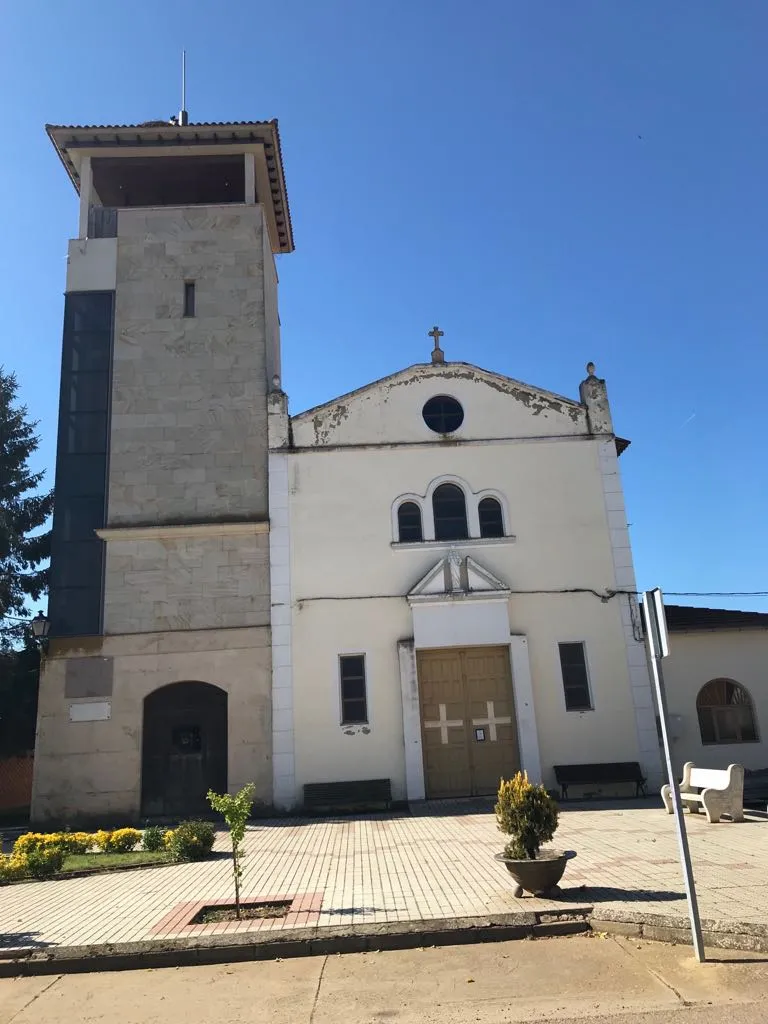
{"x": 22, "y": 940}
{"x": 612, "y": 894}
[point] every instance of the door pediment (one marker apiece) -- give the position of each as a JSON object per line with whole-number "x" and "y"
{"x": 457, "y": 576}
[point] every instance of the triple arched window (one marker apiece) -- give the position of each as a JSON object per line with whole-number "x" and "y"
{"x": 449, "y": 516}
{"x": 726, "y": 714}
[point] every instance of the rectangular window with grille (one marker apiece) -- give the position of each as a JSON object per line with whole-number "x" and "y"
{"x": 573, "y": 665}
{"x": 354, "y": 703}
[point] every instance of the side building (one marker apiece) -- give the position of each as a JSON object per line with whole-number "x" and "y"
{"x": 452, "y": 587}
{"x": 717, "y": 691}
{"x": 157, "y": 679}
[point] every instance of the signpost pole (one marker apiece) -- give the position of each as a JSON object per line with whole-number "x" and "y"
{"x": 656, "y": 630}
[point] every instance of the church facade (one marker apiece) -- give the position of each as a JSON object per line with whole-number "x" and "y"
{"x": 451, "y": 587}
{"x": 427, "y": 581}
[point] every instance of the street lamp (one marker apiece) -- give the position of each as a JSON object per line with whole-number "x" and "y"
{"x": 40, "y": 626}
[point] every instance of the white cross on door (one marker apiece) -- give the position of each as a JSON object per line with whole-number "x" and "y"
{"x": 492, "y": 721}
{"x": 444, "y": 724}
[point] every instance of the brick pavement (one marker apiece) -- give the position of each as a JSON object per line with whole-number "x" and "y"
{"x": 434, "y": 861}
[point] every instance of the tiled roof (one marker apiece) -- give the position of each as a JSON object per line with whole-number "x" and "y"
{"x": 158, "y": 124}
{"x": 682, "y": 618}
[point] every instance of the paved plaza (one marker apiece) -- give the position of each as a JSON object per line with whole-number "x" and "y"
{"x": 432, "y": 862}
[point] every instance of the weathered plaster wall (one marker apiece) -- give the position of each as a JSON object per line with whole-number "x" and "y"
{"x": 391, "y": 411}
{"x": 189, "y": 394}
{"x": 694, "y": 659}
{"x": 341, "y": 547}
{"x": 92, "y": 770}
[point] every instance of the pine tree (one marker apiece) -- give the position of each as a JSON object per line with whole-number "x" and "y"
{"x": 22, "y": 511}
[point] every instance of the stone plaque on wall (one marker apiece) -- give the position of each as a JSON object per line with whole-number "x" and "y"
{"x": 91, "y": 711}
{"x": 89, "y": 677}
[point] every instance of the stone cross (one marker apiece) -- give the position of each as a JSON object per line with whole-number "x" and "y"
{"x": 444, "y": 724}
{"x": 491, "y": 721}
{"x": 437, "y": 352}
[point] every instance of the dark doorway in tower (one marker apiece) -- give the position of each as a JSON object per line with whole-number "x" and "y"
{"x": 184, "y": 751}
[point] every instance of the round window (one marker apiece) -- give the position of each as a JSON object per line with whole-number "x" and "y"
{"x": 443, "y": 414}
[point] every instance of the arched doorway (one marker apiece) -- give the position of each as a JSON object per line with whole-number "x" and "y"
{"x": 184, "y": 749}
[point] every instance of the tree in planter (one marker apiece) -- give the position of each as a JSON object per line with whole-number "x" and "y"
{"x": 21, "y": 513}
{"x": 236, "y": 811}
{"x": 527, "y": 814}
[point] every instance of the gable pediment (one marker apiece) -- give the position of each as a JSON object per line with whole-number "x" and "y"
{"x": 457, "y": 576}
{"x": 389, "y": 411}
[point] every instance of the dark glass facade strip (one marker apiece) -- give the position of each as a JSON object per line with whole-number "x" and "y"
{"x": 77, "y": 555}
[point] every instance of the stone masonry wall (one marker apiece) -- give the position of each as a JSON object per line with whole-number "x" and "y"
{"x": 187, "y": 583}
{"x": 188, "y": 438}
{"x": 91, "y": 771}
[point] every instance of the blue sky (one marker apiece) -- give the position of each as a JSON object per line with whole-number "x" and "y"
{"x": 551, "y": 182}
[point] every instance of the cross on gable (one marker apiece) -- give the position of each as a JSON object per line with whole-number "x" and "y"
{"x": 437, "y": 353}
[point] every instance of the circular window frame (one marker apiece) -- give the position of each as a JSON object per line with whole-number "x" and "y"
{"x": 457, "y": 411}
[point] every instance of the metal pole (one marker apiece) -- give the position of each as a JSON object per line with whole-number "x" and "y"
{"x": 682, "y": 836}
{"x": 183, "y": 79}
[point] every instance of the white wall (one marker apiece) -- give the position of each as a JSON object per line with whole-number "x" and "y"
{"x": 694, "y": 659}
{"x": 496, "y": 407}
{"x": 92, "y": 265}
{"x": 349, "y": 580}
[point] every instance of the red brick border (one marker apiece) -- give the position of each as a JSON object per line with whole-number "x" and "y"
{"x": 304, "y": 910}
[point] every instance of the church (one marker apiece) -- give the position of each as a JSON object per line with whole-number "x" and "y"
{"x": 427, "y": 581}
{"x": 452, "y": 586}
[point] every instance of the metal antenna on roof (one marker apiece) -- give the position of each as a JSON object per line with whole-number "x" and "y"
{"x": 183, "y": 115}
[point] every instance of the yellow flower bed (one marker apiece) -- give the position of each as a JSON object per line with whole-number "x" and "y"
{"x": 120, "y": 840}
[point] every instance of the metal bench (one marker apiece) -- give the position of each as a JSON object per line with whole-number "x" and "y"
{"x": 365, "y": 794}
{"x": 717, "y": 791}
{"x": 607, "y": 773}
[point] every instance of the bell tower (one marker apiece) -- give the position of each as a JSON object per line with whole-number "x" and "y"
{"x": 160, "y": 562}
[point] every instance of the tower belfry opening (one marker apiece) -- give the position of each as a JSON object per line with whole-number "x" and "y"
{"x": 158, "y": 163}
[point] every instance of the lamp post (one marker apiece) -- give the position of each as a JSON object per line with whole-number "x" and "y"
{"x": 41, "y": 624}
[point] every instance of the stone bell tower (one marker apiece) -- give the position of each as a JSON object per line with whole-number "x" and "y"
{"x": 157, "y": 680}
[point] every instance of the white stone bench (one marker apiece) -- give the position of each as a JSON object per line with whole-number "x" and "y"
{"x": 721, "y": 792}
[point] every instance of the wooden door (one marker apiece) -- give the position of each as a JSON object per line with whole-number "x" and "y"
{"x": 469, "y": 734}
{"x": 443, "y": 718}
{"x": 491, "y": 712}
{"x": 184, "y": 749}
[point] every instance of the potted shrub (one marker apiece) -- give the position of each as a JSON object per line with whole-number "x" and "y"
{"x": 528, "y": 815}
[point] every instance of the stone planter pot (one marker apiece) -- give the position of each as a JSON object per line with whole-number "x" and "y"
{"x": 538, "y": 877}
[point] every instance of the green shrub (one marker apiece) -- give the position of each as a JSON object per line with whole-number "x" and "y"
{"x": 76, "y": 842}
{"x": 192, "y": 840}
{"x": 153, "y": 837}
{"x": 528, "y": 814}
{"x": 44, "y": 862}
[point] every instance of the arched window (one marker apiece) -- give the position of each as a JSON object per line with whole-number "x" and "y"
{"x": 725, "y": 713}
{"x": 491, "y": 518}
{"x": 409, "y": 522}
{"x": 450, "y": 512}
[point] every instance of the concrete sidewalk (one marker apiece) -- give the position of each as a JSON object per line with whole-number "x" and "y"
{"x": 433, "y": 863}
{"x": 559, "y": 979}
